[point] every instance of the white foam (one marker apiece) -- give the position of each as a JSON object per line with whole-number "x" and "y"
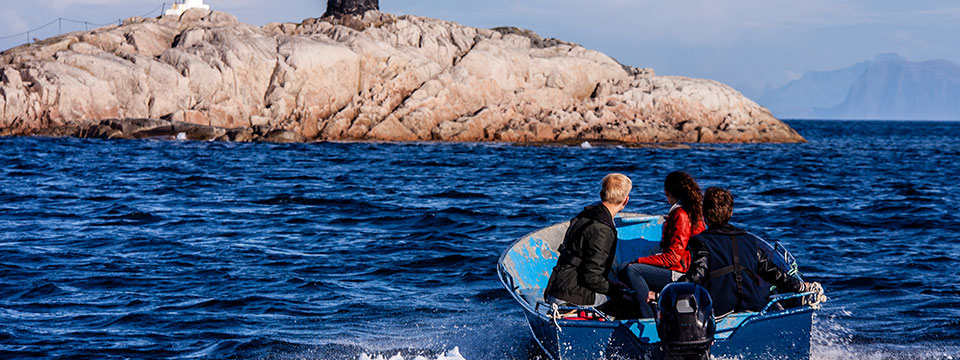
{"x": 833, "y": 340}
{"x": 449, "y": 355}
{"x": 586, "y": 145}
{"x": 888, "y": 352}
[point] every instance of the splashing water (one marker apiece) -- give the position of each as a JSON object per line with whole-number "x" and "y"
{"x": 832, "y": 339}
{"x": 450, "y": 355}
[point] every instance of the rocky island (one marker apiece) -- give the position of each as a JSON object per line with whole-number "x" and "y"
{"x": 355, "y": 74}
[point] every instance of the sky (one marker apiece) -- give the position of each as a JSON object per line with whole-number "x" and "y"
{"x": 749, "y": 44}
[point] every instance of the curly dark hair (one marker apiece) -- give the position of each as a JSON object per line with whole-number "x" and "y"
{"x": 683, "y": 187}
{"x": 717, "y": 206}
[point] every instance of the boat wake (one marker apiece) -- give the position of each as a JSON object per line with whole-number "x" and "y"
{"x": 831, "y": 340}
{"x": 449, "y": 355}
{"x": 888, "y": 352}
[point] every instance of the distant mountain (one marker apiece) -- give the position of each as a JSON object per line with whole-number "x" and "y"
{"x": 814, "y": 90}
{"x": 889, "y": 87}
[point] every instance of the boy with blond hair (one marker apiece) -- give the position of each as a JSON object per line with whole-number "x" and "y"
{"x": 588, "y": 249}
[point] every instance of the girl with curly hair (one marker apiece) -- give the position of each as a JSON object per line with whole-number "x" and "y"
{"x": 650, "y": 274}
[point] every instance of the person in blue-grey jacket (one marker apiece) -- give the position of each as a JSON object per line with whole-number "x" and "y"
{"x": 730, "y": 263}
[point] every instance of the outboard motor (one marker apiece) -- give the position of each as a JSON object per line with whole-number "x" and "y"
{"x": 685, "y": 322}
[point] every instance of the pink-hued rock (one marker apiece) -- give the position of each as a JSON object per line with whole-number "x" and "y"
{"x": 371, "y": 77}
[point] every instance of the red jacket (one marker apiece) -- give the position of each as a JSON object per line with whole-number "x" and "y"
{"x": 676, "y": 233}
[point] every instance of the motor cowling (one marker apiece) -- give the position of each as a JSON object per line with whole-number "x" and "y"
{"x": 685, "y": 321}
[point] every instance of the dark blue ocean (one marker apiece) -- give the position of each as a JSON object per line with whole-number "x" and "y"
{"x": 164, "y": 249}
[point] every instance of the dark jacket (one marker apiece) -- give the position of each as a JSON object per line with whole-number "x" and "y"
{"x": 586, "y": 256}
{"x": 730, "y": 263}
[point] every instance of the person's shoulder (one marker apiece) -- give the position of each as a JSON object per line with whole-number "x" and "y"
{"x": 740, "y": 232}
{"x": 678, "y": 217}
{"x": 599, "y": 234}
{"x": 712, "y": 235}
{"x": 678, "y": 213}
{"x": 703, "y": 238}
{"x": 599, "y": 226}
{"x": 597, "y": 214}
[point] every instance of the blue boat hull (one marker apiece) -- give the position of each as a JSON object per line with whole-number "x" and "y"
{"x": 588, "y": 341}
{"x": 525, "y": 268}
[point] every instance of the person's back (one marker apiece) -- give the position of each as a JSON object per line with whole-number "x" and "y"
{"x": 588, "y": 250}
{"x": 733, "y": 285}
{"x": 730, "y": 263}
{"x": 648, "y": 275}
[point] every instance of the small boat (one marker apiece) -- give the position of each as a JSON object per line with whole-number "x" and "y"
{"x": 780, "y": 331}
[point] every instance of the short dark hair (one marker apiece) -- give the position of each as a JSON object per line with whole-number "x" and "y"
{"x": 717, "y": 206}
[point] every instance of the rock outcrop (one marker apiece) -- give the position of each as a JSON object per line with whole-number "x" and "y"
{"x": 370, "y": 77}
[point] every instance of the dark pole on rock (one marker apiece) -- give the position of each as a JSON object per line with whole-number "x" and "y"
{"x": 350, "y": 7}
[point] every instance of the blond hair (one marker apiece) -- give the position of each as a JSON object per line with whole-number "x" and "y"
{"x": 616, "y": 188}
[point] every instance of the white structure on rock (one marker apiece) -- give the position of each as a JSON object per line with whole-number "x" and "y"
{"x": 179, "y": 8}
